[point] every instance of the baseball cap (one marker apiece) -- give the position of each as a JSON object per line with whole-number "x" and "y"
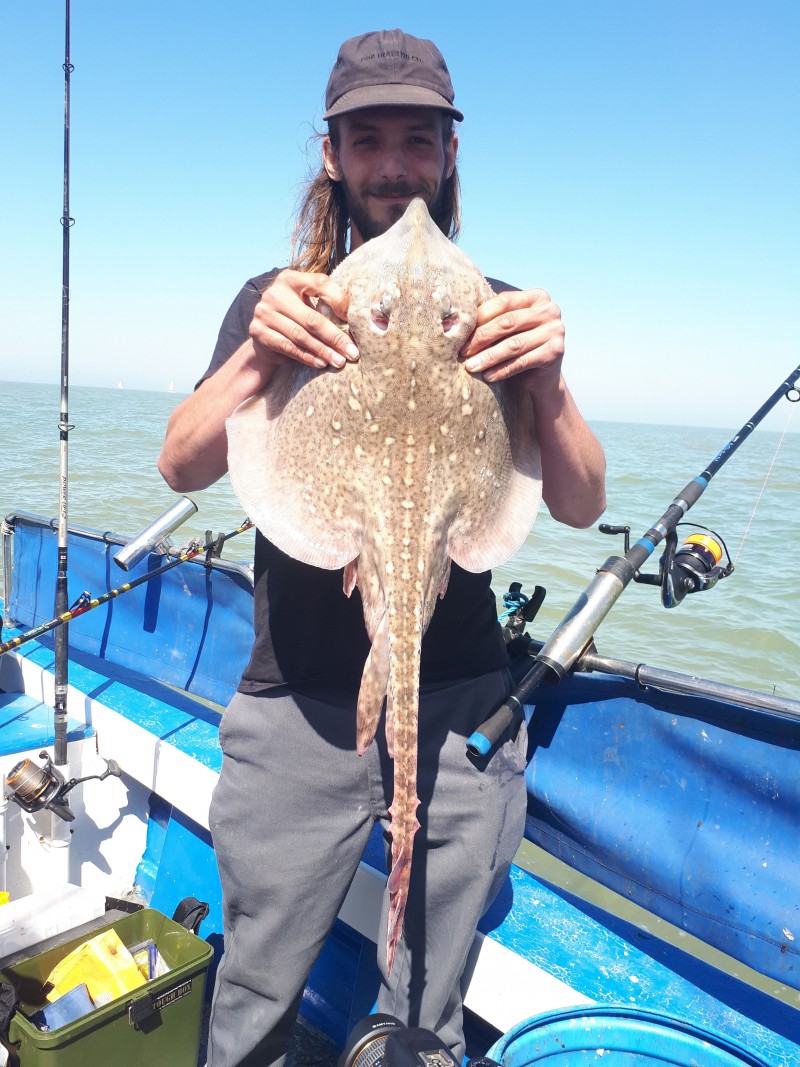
{"x": 389, "y": 68}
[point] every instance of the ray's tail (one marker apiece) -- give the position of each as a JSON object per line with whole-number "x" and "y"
{"x": 402, "y": 713}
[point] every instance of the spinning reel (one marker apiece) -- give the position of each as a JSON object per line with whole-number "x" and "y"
{"x": 383, "y": 1041}
{"x": 35, "y": 788}
{"x": 692, "y": 568}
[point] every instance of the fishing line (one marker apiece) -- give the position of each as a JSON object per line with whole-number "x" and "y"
{"x": 766, "y": 479}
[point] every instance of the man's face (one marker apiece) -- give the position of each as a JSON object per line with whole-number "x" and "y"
{"x": 385, "y": 157}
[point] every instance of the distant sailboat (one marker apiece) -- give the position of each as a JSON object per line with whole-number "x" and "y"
{"x": 171, "y": 387}
{"x": 120, "y": 385}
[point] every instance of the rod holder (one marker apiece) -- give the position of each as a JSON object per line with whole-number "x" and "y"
{"x": 155, "y": 534}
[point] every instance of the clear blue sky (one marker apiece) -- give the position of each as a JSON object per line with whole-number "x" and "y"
{"x": 641, "y": 160}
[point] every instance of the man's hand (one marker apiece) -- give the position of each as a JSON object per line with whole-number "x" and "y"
{"x": 287, "y": 326}
{"x": 518, "y": 333}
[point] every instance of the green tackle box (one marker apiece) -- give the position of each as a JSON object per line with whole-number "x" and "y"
{"x": 156, "y": 1025}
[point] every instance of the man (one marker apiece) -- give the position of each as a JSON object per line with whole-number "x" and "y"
{"x": 295, "y": 804}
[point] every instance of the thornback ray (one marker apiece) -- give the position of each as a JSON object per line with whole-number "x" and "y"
{"x": 390, "y": 468}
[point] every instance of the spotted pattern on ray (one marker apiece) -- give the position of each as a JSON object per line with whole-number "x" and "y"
{"x": 390, "y": 468}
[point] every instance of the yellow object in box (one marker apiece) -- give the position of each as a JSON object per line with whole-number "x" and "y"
{"x": 4, "y": 897}
{"x": 103, "y": 963}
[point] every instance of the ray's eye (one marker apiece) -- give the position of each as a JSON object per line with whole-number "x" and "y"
{"x": 381, "y": 313}
{"x": 444, "y": 305}
{"x": 441, "y": 301}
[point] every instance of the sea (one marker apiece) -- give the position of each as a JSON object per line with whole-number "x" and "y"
{"x": 744, "y": 631}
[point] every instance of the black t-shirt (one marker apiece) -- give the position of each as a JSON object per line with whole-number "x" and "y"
{"x": 308, "y": 632}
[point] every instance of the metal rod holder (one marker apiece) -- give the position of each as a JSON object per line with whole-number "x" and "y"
{"x": 155, "y": 534}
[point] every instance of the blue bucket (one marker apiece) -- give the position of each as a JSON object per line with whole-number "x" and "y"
{"x": 616, "y": 1037}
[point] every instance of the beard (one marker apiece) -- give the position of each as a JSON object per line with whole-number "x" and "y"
{"x": 369, "y": 226}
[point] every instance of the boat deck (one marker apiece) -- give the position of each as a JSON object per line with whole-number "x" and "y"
{"x": 555, "y": 950}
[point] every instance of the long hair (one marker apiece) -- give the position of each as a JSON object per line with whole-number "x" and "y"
{"x": 319, "y": 241}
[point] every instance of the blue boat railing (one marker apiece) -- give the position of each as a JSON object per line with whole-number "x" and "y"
{"x": 191, "y": 627}
{"x": 684, "y": 798}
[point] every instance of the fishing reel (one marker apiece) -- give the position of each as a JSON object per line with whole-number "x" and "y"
{"x": 383, "y": 1041}
{"x": 36, "y": 788}
{"x": 691, "y": 568}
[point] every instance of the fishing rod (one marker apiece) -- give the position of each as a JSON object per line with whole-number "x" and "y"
{"x": 574, "y": 633}
{"x": 85, "y": 603}
{"x": 62, "y": 637}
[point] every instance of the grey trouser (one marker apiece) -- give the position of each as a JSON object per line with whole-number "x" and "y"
{"x": 290, "y": 818}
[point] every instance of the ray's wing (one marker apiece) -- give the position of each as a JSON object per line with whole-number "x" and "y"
{"x": 506, "y": 478}
{"x": 292, "y": 454}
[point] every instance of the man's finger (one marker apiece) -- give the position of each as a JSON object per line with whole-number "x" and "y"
{"x": 316, "y": 327}
{"x": 521, "y": 351}
{"x": 511, "y": 300}
{"x": 286, "y": 321}
{"x": 332, "y": 294}
{"x": 508, "y": 314}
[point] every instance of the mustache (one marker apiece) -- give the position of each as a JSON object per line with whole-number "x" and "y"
{"x": 393, "y": 189}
